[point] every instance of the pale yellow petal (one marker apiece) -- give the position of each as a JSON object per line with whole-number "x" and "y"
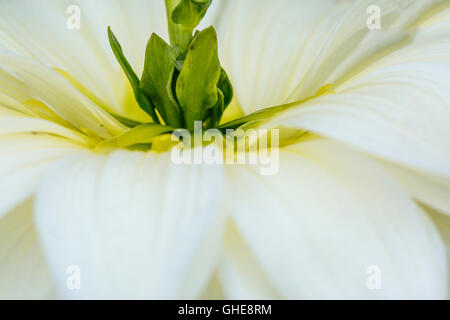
{"x": 24, "y": 273}
{"x": 62, "y": 97}
{"x": 84, "y": 54}
{"x": 18, "y": 124}
{"x": 443, "y": 224}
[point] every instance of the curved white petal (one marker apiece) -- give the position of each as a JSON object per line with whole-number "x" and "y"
{"x": 8, "y": 103}
{"x": 24, "y": 157}
{"x": 400, "y": 113}
{"x": 28, "y": 145}
{"x": 63, "y": 98}
{"x": 283, "y": 51}
{"x": 14, "y": 122}
{"x": 23, "y": 271}
{"x": 396, "y": 107}
{"x": 137, "y": 225}
{"x": 240, "y": 273}
{"x": 265, "y": 46}
{"x": 431, "y": 190}
{"x": 401, "y": 25}
{"x": 39, "y": 31}
{"x": 443, "y": 224}
{"x": 328, "y": 216}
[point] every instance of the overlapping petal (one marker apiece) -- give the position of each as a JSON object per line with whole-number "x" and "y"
{"x": 429, "y": 189}
{"x": 140, "y": 227}
{"x": 267, "y": 46}
{"x": 399, "y": 113}
{"x": 443, "y": 223}
{"x": 395, "y": 108}
{"x": 24, "y": 272}
{"x": 328, "y": 216}
{"x": 28, "y": 145}
{"x": 137, "y": 225}
{"x": 285, "y": 51}
{"x": 240, "y": 273}
{"x": 39, "y": 31}
{"x": 49, "y": 87}
{"x": 24, "y": 157}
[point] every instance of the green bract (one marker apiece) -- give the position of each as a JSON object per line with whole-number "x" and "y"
{"x": 182, "y": 82}
{"x": 197, "y": 84}
{"x": 189, "y": 13}
{"x": 141, "y": 98}
{"x": 156, "y": 81}
{"x": 225, "y": 86}
{"x": 140, "y": 135}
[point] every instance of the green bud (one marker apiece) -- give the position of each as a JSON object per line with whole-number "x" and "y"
{"x": 182, "y": 82}
{"x": 189, "y": 13}
{"x": 156, "y": 81}
{"x": 196, "y": 86}
{"x": 217, "y": 111}
{"x": 225, "y": 86}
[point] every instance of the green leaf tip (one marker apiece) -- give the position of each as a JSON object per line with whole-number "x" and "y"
{"x": 196, "y": 87}
{"x": 157, "y": 77}
{"x": 142, "y": 100}
{"x": 189, "y": 13}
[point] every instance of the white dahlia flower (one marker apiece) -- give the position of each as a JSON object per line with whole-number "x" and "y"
{"x": 92, "y": 204}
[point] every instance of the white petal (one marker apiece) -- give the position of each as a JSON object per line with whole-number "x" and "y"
{"x": 137, "y": 225}
{"x": 399, "y": 22}
{"x": 12, "y": 87}
{"x": 431, "y": 190}
{"x": 48, "y": 86}
{"x": 283, "y": 51}
{"x": 240, "y": 273}
{"x": 85, "y": 53}
{"x": 326, "y": 217}
{"x": 23, "y": 160}
{"x": 23, "y": 270}
{"x": 443, "y": 224}
{"x": 396, "y": 107}
{"x": 264, "y": 45}
{"x": 14, "y": 123}
{"x": 399, "y": 113}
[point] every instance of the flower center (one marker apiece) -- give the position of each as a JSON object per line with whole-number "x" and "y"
{"x": 182, "y": 82}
